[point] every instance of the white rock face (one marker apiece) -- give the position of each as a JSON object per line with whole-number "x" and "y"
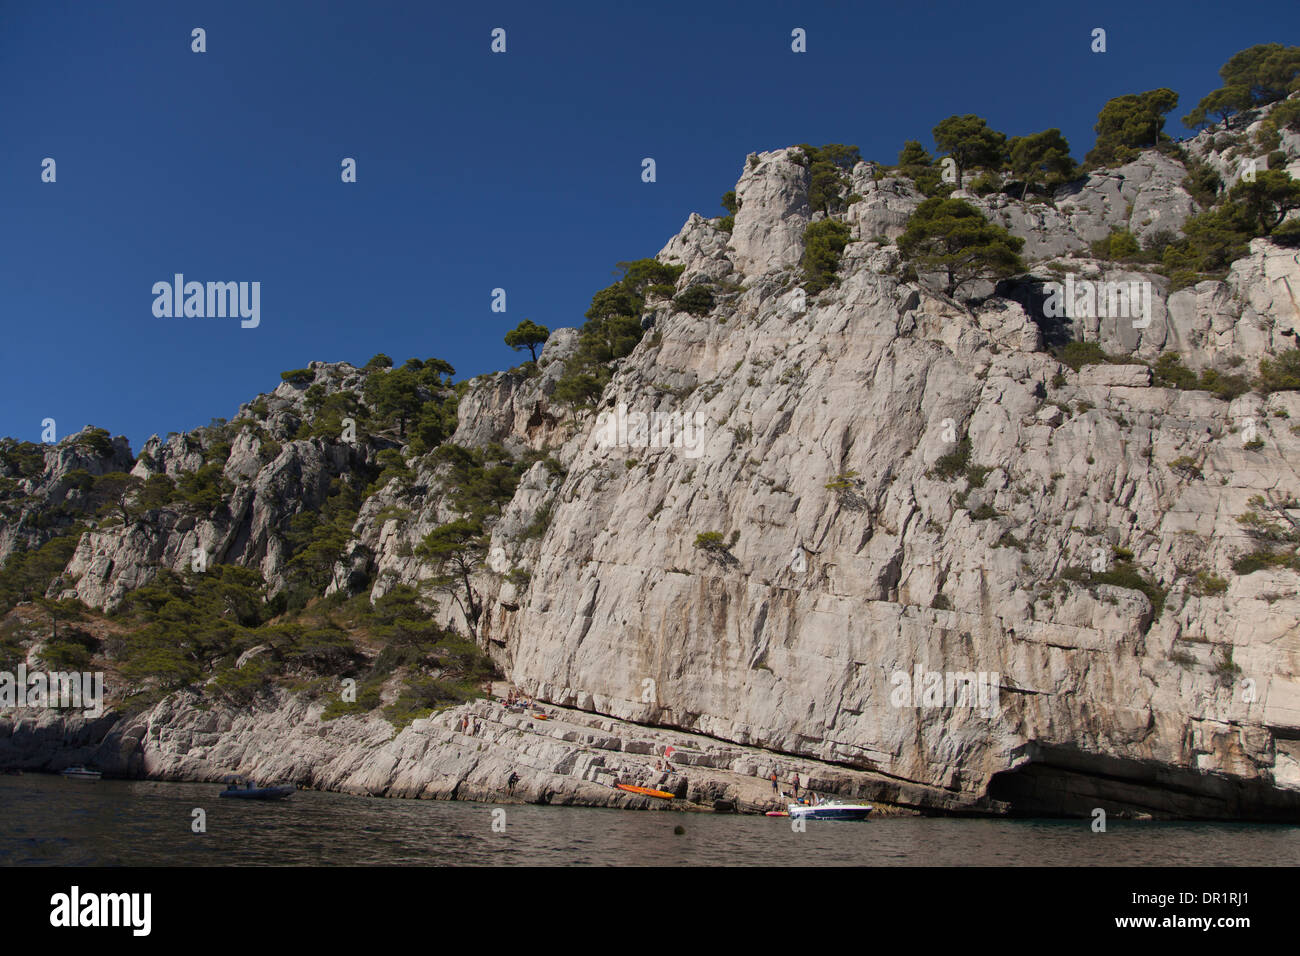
{"x": 247, "y": 530}
{"x": 845, "y": 560}
{"x": 773, "y": 195}
{"x": 1116, "y": 376}
{"x": 885, "y": 207}
{"x": 1144, "y": 196}
{"x": 1215, "y": 146}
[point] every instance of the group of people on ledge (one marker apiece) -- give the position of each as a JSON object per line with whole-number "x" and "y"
{"x": 809, "y": 798}
{"x": 517, "y": 700}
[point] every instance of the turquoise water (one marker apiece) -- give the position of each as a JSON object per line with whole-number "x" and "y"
{"x": 48, "y": 820}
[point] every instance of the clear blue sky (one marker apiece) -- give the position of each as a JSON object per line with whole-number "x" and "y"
{"x": 475, "y": 170}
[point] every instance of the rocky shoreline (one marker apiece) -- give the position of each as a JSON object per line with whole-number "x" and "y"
{"x": 570, "y": 758}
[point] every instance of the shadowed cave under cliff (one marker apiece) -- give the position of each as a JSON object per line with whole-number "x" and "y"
{"x": 1065, "y": 782}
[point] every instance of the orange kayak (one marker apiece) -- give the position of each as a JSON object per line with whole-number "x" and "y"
{"x": 645, "y": 791}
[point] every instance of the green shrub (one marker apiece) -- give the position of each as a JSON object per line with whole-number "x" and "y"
{"x": 917, "y": 165}
{"x": 697, "y": 300}
{"x": 1287, "y": 234}
{"x": 1286, "y": 115}
{"x": 206, "y": 488}
{"x": 28, "y": 574}
{"x": 1280, "y": 374}
{"x": 1077, "y": 354}
{"x": 713, "y": 541}
{"x": 421, "y": 696}
{"x": 985, "y": 183}
{"x": 1009, "y": 540}
{"x": 541, "y": 522}
{"x": 1209, "y": 584}
{"x": 827, "y": 179}
{"x": 71, "y": 651}
{"x": 1187, "y": 467}
{"x": 22, "y": 459}
{"x": 368, "y": 698}
{"x": 612, "y": 330}
{"x": 844, "y": 481}
{"x": 824, "y": 243}
{"x": 952, "y": 237}
{"x": 1203, "y": 182}
{"x": 1224, "y": 667}
{"x": 1119, "y": 245}
{"x": 1129, "y": 124}
{"x": 1226, "y": 387}
{"x": 97, "y": 441}
{"x": 1264, "y": 557}
{"x": 1211, "y": 242}
{"x": 1170, "y": 372}
{"x": 1125, "y": 575}
{"x": 954, "y": 463}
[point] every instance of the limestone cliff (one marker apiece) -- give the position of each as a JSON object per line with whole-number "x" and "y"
{"x": 888, "y": 480}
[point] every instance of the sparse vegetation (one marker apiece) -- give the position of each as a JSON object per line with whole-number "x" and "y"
{"x": 954, "y": 463}
{"x": 952, "y": 238}
{"x": 824, "y": 243}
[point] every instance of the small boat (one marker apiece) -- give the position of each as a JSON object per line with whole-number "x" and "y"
{"x": 249, "y": 792}
{"x": 646, "y": 791}
{"x": 778, "y": 813}
{"x": 81, "y": 773}
{"x": 830, "y": 811}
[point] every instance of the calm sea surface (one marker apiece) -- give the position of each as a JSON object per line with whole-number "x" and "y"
{"x": 48, "y": 820}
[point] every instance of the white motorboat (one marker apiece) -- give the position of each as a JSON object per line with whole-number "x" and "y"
{"x": 81, "y": 773}
{"x": 830, "y": 811}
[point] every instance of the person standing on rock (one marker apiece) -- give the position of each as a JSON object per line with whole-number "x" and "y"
{"x": 774, "y": 781}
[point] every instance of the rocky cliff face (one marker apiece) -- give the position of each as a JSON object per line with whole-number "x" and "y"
{"x": 48, "y": 495}
{"x": 851, "y": 560}
{"x": 888, "y": 482}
